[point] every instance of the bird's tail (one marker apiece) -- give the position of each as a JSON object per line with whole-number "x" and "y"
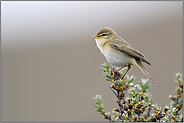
{"x": 146, "y": 61}
{"x": 141, "y": 67}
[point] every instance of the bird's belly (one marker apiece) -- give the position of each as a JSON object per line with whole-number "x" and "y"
{"x": 117, "y": 59}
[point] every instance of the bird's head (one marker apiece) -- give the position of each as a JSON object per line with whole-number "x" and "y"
{"x": 105, "y": 34}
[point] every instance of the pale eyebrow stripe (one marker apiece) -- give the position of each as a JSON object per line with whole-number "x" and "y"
{"x": 105, "y": 33}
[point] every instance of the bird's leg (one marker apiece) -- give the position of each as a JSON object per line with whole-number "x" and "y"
{"x": 129, "y": 66}
{"x": 117, "y": 74}
{"x": 119, "y": 69}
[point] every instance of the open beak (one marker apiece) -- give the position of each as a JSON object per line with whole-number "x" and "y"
{"x": 95, "y": 37}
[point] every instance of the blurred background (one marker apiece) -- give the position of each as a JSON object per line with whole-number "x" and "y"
{"x": 51, "y": 66}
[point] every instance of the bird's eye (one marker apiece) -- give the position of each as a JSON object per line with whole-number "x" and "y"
{"x": 104, "y": 35}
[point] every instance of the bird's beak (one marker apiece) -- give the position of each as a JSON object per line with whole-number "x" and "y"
{"x": 95, "y": 37}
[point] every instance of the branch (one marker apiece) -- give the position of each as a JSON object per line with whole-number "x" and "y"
{"x": 105, "y": 116}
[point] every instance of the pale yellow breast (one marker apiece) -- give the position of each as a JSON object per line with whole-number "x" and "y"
{"x": 113, "y": 56}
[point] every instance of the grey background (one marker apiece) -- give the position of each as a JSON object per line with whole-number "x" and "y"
{"x": 51, "y": 66}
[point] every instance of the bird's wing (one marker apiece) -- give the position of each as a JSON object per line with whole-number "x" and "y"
{"x": 126, "y": 48}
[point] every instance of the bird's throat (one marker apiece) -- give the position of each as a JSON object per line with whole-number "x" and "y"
{"x": 101, "y": 44}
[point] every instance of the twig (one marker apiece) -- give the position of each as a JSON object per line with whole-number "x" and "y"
{"x": 106, "y": 117}
{"x": 120, "y": 105}
{"x": 139, "y": 113}
{"x": 175, "y": 102}
{"x": 149, "y": 109}
{"x": 113, "y": 92}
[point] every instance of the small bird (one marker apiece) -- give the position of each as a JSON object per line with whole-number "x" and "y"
{"x": 118, "y": 52}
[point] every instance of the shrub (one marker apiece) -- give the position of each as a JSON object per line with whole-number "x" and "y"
{"x": 135, "y": 103}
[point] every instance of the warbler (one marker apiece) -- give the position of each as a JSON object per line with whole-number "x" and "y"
{"x": 118, "y": 52}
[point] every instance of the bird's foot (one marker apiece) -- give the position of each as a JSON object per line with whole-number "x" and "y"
{"x": 117, "y": 75}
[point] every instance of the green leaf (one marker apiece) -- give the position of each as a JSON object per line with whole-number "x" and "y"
{"x": 130, "y": 79}
{"x": 146, "y": 99}
{"x": 108, "y": 76}
{"x": 108, "y": 79}
{"x": 147, "y": 87}
{"x": 149, "y": 97}
{"x": 107, "y": 68}
{"x": 112, "y": 119}
{"x": 144, "y": 81}
{"x": 178, "y": 77}
{"x": 103, "y": 66}
{"x": 107, "y": 113}
{"x": 116, "y": 119}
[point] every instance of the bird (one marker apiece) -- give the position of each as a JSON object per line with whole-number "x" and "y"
{"x": 118, "y": 52}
